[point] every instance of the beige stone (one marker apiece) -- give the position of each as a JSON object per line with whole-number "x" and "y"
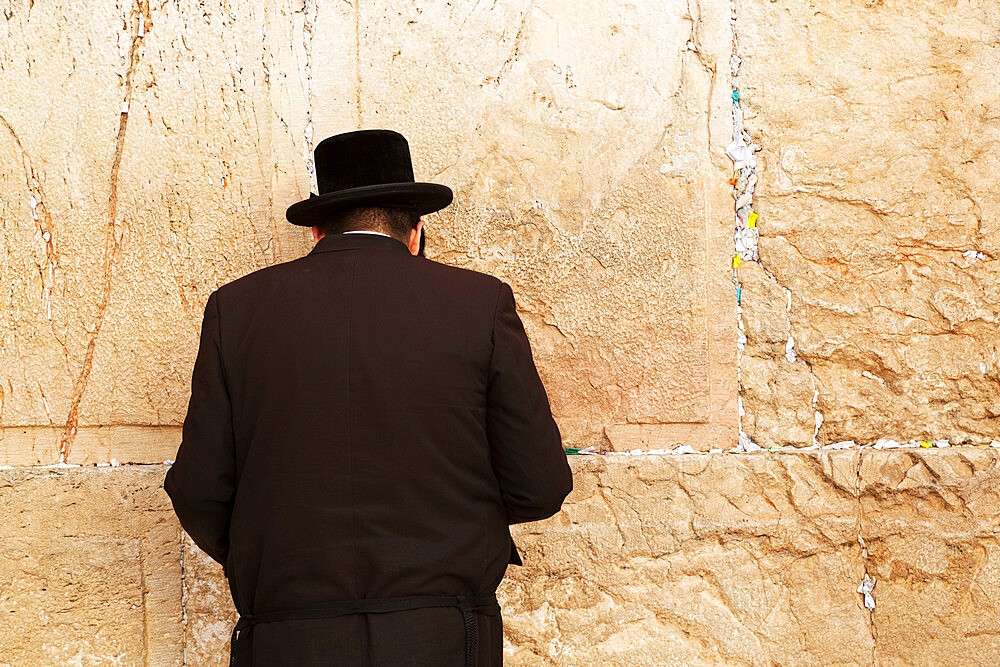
{"x": 150, "y": 152}
{"x": 715, "y": 559}
{"x": 209, "y": 613}
{"x": 160, "y": 146}
{"x": 880, "y": 135}
{"x": 930, "y": 523}
{"x": 666, "y": 560}
{"x": 90, "y": 568}
{"x": 584, "y": 143}
{"x": 688, "y": 559}
{"x": 39, "y": 445}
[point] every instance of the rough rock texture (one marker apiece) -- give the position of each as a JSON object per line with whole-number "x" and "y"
{"x": 741, "y": 559}
{"x": 693, "y": 560}
{"x": 932, "y": 526}
{"x": 208, "y": 609}
{"x": 707, "y": 559}
{"x": 592, "y": 179}
{"x": 149, "y": 152}
{"x": 880, "y": 129}
{"x": 33, "y": 445}
{"x": 148, "y": 155}
{"x": 90, "y": 569}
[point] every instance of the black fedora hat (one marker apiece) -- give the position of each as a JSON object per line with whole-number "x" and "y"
{"x": 366, "y": 167}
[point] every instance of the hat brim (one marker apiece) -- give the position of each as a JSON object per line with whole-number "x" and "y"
{"x": 424, "y": 197}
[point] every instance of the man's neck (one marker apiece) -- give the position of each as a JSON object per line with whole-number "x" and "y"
{"x": 365, "y": 231}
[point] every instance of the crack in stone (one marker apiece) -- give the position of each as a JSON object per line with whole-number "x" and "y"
{"x": 516, "y": 53}
{"x": 790, "y": 351}
{"x": 44, "y": 225}
{"x": 747, "y": 238}
{"x": 859, "y": 454}
{"x": 143, "y": 594}
{"x": 845, "y": 273}
{"x": 357, "y": 57}
{"x": 310, "y": 12}
{"x": 707, "y": 63}
{"x": 45, "y": 404}
{"x": 793, "y": 355}
{"x": 112, "y": 247}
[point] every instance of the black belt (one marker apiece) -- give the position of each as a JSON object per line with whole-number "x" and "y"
{"x": 466, "y": 603}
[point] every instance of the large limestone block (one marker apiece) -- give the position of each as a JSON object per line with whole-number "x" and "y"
{"x": 209, "y": 613}
{"x": 930, "y": 522}
{"x": 880, "y": 135}
{"x": 33, "y": 445}
{"x": 584, "y": 143}
{"x": 89, "y": 568}
{"x": 688, "y": 559}
{"x": 716, "y": 559}
{"x": 663, "y": 560}
{"x": 148, "y": 155}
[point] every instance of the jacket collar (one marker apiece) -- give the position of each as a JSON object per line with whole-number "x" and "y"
{"x": 334, "y": 242}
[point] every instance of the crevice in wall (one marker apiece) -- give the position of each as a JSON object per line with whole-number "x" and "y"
{"x": 184, "y": 595}
{"x": 516, "y": 51}
{"x": 112, "y": 245}
{"x": 745, "y": 235}
{"x": 866, "y": 587}
{"x": 742, "y": 151}
{"x": 310, "y": 11}
{"x": 143, "y": 594}
{"x": 357, "y": 57}
{"x": 681, "y": 450}
{"x": 43, "y": 221}
{"x": 708, "y": 63}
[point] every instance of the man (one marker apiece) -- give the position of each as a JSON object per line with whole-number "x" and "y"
{"x": 364, "y": 425}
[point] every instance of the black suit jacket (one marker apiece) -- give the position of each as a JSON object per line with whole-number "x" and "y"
{"x": 364, "y": 423}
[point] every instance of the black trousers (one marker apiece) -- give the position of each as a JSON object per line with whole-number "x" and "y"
{"x": 468, "y": 605}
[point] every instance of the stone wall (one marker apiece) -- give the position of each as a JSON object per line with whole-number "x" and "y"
{"x": 879, "y": 124}
{"x": 150, "y": 152}
{"x": 696, "y": 559}
{"x": 147, "y": 155}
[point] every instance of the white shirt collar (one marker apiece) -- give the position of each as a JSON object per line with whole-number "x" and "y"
{"x": 365, "y": 231}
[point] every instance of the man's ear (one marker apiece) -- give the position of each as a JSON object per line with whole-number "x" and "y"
{"x": 317, "y": 233}
{"x": 413, "y": 243}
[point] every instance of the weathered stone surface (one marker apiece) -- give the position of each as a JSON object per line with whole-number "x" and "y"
{"x": 148, "y": 155}
{"x": 930, "y": 522}
{"x": 209, "y": 613}
{"x": 39, "y": 445}
{"x": 89, "y": 568}
{"x": 668, "y": 560}
{"x": 880, "y": 130}
{"x": 150, "y": 151}
{"x": 715, "y": 559}
{"x": 584, "y": 143}
{"x": 688, "y": 559}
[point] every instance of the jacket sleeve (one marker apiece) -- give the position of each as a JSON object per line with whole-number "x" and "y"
{"x": 201, "y": 481}
{"x": 526, "y": 448}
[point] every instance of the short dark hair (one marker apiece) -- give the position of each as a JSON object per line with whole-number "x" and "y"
{"x": 396, "y": 221}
